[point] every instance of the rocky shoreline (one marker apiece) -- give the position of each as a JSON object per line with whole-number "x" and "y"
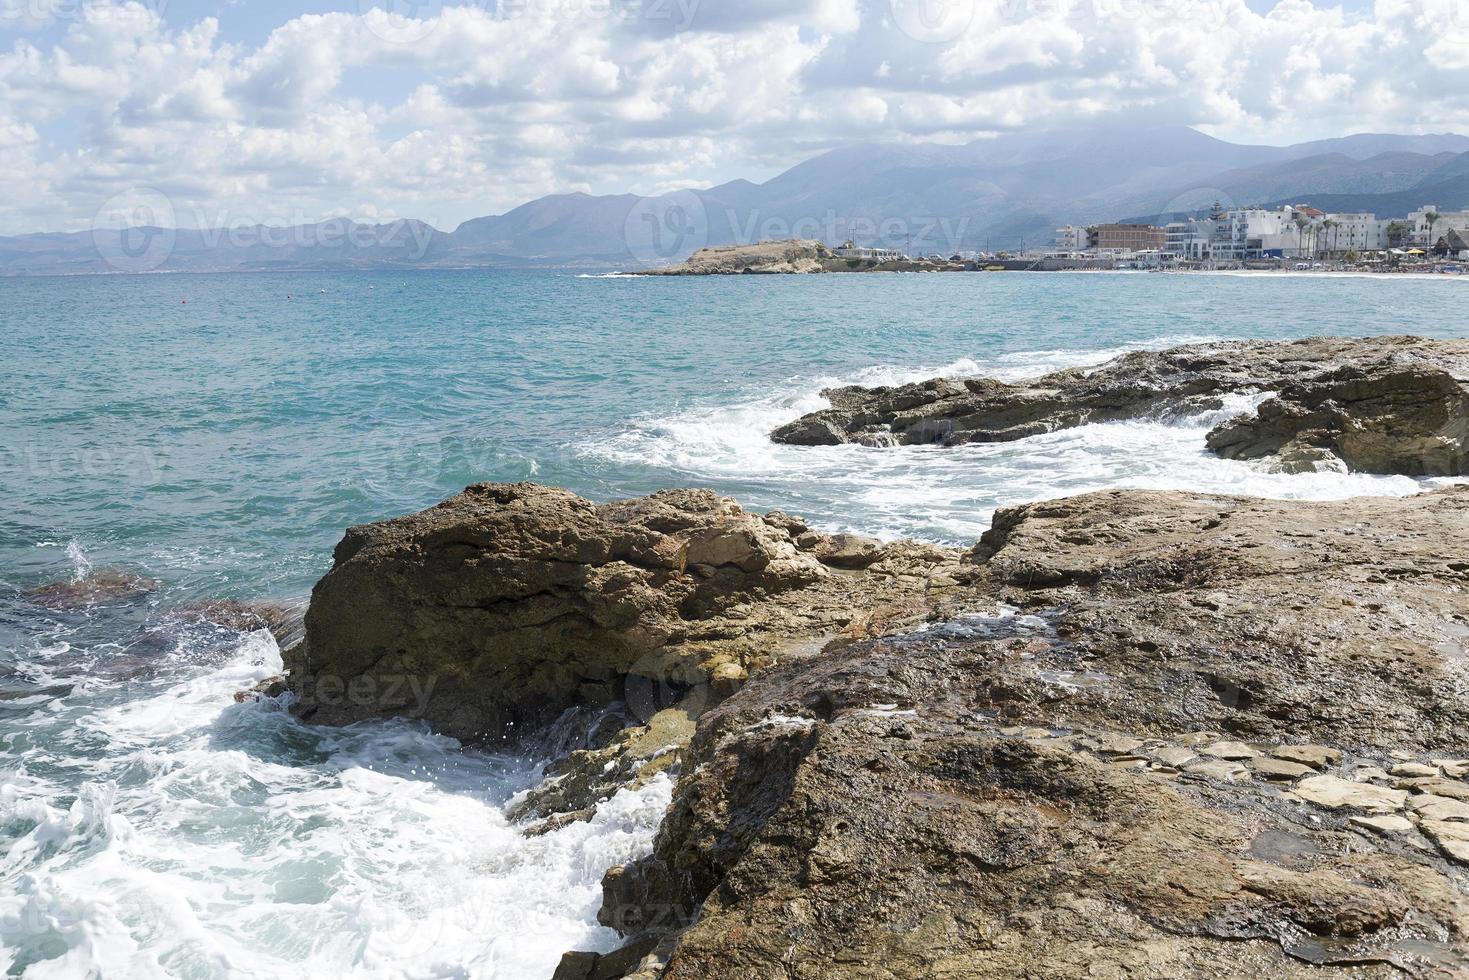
{"x": 1146, "y": 733}
{"x": 795, "y": 257}
{"x": 1379, "y": 405}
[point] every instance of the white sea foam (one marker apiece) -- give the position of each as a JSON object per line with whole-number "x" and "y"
{"x": 949, "y": 495}
{"x": 214, "y": 839}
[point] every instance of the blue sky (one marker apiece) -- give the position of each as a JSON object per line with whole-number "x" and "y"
{"x": 217, "y": 113}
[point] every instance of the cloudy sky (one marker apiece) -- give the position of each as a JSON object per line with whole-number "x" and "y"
{"x": 263, "y": 111}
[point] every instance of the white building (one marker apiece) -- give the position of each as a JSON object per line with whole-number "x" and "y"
{"x": 1070, "y": 238}
{"x": 1190, "y": 240}
{"x": 1418, "y": 221}
{"x": 1232, "y": 235}
{"x": 847, "y": 250}
{"x": 1252, "y": 233}
{"x": 1353, "y": 232}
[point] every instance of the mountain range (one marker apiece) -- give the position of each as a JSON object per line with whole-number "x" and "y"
{"x": 1004, "y": 192}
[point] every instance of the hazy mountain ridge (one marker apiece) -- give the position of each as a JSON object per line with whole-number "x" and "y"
{"x": 991, "y": 193}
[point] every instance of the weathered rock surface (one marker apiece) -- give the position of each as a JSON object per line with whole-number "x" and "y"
{"x": 492, "y": 613}
{"x": 284, "y": 620}
{"x": 1381, "y": 405}
{"x": 1157, "y": 734}
{"x": 1000, "y": 794}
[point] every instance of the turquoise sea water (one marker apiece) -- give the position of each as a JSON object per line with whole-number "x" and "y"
{"x": 217, "y": 433}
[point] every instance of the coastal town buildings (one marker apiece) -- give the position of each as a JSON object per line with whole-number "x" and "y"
{"x": 1443, "y": 222}
{"x": 849, "y": 250}
{"x": 1233, "y": 236}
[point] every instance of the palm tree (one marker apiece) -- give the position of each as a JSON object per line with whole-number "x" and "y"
{"x": 1395, "y": 232}
{"x": 1301, "y": 221}
{"x": 1331, "y": 225}
{"x": 1432, "y": 219}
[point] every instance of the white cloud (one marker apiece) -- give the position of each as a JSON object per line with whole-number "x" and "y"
{"x": 613, "y": 95}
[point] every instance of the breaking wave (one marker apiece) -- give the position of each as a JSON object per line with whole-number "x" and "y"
{"x": 156, "y": 827}
{"x": 949, "y": 495}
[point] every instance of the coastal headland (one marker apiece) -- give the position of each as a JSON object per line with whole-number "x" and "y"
{"x": 796, "y": 257}
{"x": 1131, "y": 732}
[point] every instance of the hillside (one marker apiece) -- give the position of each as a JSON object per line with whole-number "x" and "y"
{"x": 926, "y": 198}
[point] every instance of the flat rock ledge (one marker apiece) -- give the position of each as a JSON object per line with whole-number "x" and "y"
{"x": 1377, "y": 405}
{"x": 1187, "y": 735}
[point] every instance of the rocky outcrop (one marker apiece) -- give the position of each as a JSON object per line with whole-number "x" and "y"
{"x": 98, "y": 586}
{"x": 793, "y": 257}
{"x": 1413, "y": 420}
{"x": 283, "y": 620}
{"x": 796, "y": 256}
{"x": 500, "y": 609}
{"x": 1190, "y": 735}
{"x": 1382, "y": 405}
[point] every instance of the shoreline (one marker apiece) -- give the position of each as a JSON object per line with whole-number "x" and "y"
{"x": 1157, "y": 676}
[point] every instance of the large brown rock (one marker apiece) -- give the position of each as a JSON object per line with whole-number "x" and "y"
{"x": 1380, "y": 404}
{"x": 1413, "y": 421}
{"x": 492, "y": 613}
{"x": 1163, "y": 752}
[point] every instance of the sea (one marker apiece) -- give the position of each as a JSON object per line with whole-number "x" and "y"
{"x": 218, "y": 432}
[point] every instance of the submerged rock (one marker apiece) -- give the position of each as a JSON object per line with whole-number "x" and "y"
{"x": 284, "y": 620}
{"x": 1000, "y": 795}
{"x": 100, "y": 585}
{"x": 1380, "y": 405}
{"x": 492, "y": 613}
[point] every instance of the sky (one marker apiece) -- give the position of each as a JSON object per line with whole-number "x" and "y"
{"x": 219, "y": 114}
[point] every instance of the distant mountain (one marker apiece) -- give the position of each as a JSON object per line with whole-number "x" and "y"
{"x": 1390, "y": 179}
{"x": 994, "y": 193}
{"x": 337, "y": 243}
{"x": 1449, "y": 194}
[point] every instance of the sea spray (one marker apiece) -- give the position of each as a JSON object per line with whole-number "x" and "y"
{"x": 948, "y": 494}
{"x": 157, "y": 826}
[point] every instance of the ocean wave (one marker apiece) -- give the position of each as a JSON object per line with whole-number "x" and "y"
{"x": 155, "y": 827}
{"x": 949, "y": 495}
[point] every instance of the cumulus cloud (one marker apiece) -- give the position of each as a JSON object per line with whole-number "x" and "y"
{"x": 518, "y": 98}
